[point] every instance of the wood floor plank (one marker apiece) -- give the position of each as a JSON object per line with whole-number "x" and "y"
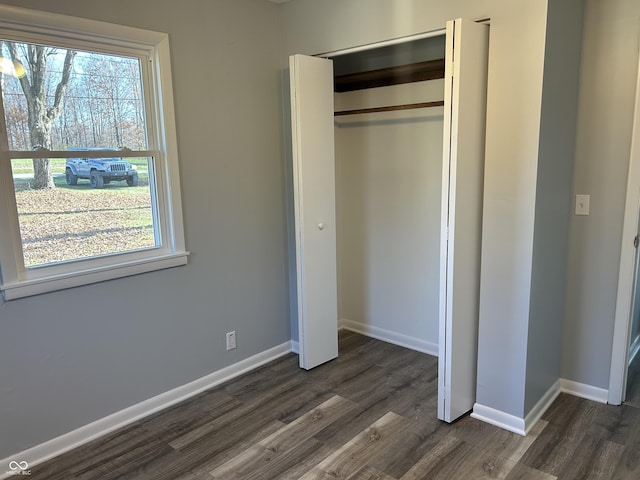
{"x": 473, "y": 431}
{"x": 301, "y": 408}
{"x": 256, "y": 427}
{"x": 595, "y": 459}
{"x": 110, "y": 452}
{"x": 441, "y": 462}
{"x": 177, "y": 422}
{"x": 194, "y": 476}
{"x": 613, "y": 423}
{"x": 371, "y": 384}
{"x": 293, "y": 463}
{"x": 240, "y": 414}
{"x": 253, "y": 385}
{"x": 558, "y": 444}
{"x": 483, "y": 466}
{"x": 356, "y": 453}
{"x": 403, "y": 361}
{"x": 410, "y": 448}
{"x": 369, "y": 473}
{"x": 285, "y": 439}
{"x": 574, "y": 415}
{"x": 347, "y": 371}
{"x": 454, "y": 459}
{"x": 494, "y": 441}
{"x": 375, "y": 400}
{"x": 236, "y": 449}
{"x": 515, "y": 447}
{"x": 135, "y": 468}
{"x": 523, "y": 472}
{"x": 345, "y": 428}
{"x": 177, "y": 463}
{"x": 628, "y": 467}
{"x": 416, "y": 401}
{"x": 217, "y": 442}
{"x": 553, "y": 450}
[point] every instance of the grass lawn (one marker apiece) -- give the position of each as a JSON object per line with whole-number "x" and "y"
{"x": 72, "y": 222}
{"x": 25, "y": 166}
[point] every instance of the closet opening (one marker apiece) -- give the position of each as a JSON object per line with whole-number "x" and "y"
{"x": 388, "y": 125}
{"x": 399, "y": 258}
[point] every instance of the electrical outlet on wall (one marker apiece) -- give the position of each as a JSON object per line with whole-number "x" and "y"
{"x": 231, "y": 340}
{"x": 582, "y": 204}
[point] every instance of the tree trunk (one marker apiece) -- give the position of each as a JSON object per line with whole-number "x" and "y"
{"x": 42, "y": 175}
{"x": 41, "y": 117}
{"x": 40, "y": 130}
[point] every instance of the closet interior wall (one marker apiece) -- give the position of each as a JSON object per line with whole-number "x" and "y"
{"x": 388, "y": 198}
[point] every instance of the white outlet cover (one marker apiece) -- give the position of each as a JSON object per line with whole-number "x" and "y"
{"x": 582, "y": 204}
{"x": 231, "y": 340}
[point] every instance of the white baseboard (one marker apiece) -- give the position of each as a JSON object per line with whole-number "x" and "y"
{"x": 390, "y": 337}
{"x": 634, "y": 349}
{"x": 583, "y": 390}
{"x": 499, "y": 419}
{"x": 522, "y": 426}
{"x": 103, "y": 426}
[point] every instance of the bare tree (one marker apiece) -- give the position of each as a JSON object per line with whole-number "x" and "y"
{"x": 41, "y": 115}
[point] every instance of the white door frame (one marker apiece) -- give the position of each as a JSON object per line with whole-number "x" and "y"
{"x": 624, "y": 300}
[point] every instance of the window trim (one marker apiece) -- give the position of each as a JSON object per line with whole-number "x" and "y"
{"x": 31, "y": 26}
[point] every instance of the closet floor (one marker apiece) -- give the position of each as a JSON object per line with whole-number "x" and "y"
{"x": 370, "y": 414}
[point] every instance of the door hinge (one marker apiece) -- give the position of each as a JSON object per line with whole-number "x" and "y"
{"x": 636, "y": 241}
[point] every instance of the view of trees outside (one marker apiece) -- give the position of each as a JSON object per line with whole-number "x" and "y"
{"x": 61, "y": 99}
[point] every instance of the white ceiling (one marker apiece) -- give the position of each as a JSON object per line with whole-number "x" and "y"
{"x": 279, "y": 1}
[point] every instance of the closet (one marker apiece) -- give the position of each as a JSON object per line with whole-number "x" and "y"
{"x": 388, "y": 131}
{"x": 401, "y": 157}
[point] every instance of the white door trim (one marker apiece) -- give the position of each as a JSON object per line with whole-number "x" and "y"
{"x": 624, "y": 300}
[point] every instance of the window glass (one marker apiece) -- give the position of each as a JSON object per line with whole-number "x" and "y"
{"x": 77, "y": 220}
{"x": 77, "y": 207}
{"x": 60, "y": 99}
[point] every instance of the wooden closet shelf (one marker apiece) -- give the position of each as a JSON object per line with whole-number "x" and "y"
{"x": 391, "y": 108}
{"x": 414, "y": 72}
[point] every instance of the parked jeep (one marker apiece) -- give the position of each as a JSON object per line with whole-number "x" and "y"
{"x": 100, "y": 171}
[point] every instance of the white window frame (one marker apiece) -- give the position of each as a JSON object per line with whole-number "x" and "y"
{"x": 30, "y": 26}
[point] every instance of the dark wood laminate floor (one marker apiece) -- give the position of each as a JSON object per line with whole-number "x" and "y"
{"x": 369, "y": 415}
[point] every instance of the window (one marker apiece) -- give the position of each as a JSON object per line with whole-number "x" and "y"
{"x": 88, "y": 159}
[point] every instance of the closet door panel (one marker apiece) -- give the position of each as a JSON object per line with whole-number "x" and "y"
{"x": 314, "y": 199}
{"x": 463, "y": 179}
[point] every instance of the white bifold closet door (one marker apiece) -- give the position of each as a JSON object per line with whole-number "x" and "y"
{"x": 315, "y": 208}
{"x": 467, "y": 46}
{"x": 314, "y": 198}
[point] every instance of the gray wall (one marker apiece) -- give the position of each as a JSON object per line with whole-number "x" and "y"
{"x": 71, "y": 357}
{"x": 605, "y": 114}
{"x": 514, "y": 100}
{"x": 553, "y": 197}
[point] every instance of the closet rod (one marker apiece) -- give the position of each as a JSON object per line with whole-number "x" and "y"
{"x": 391, "y": 108}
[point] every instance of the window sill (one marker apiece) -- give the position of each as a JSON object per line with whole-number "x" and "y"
{"x": 27, "y": 288}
